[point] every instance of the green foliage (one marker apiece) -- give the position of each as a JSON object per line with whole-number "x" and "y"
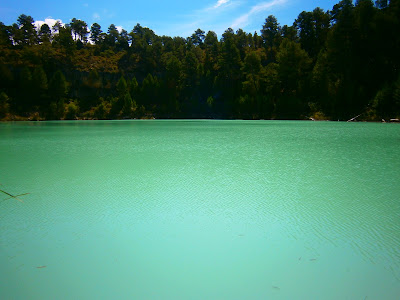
{"x": 252, "y": 63}
{"x": 293, "y": 65}
{"x": 5, "y": 35}
{"x": 53, "y": 112}
{"x": 129, "y": 106}
{"x": 313, "y": 28}
{"x": 26, "y": 31}
{"x": 79, "y": 28}
{"x": 63, "y": 39}
{"x": 25, "y": 78}
{"x": 6, "y": 76}
{"x": 25, "y": 91}
{"x": 58, "y": 86}
{"x": 230, "y": 63}
{"x": 112, "y": 36}
{"x": 210, "y": 101}
{"x": 71, "y": 111}
{"x": 4, "y": 105}
{"x": 93, "y": 80}
{"x": 45, "y": 34}
{"x": 198, "y": 37}
{"x": 270, "y": 32}
{"x": 290, "y": 33}
{"x": 134, "y": 86}
{"x": 149, "y": 91}
{"x": 39, "y": 79}
{"x": 99, "y": 112}
{"x": 381, "y": 3}
{"x": 190, "y": 69}
{"x": 122, "y": 87}
{"x": 95, "y": 33}
{"x": 102, "y": 111}
{"x": 39, "y": 86}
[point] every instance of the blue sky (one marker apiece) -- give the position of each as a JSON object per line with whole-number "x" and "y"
{"x": 173, "y": 17}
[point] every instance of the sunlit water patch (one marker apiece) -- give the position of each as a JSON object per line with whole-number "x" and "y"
{"x": 200, "y": 210}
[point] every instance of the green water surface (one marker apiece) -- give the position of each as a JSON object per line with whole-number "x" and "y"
{"x": 200, "y": 210}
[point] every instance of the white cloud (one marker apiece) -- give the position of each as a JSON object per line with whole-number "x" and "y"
{"x": 243, "y": 20}
{"x": 220, "y": 2}
{"x": 107, "y": 14}
{"x": 219, "y": 7}
{"x": 96, "y": 16}
{"x": 215, "y": 17}
{"x": 49, "y": 21}
{"x": 103, "y": 15}
{"x": 119, "y": 28}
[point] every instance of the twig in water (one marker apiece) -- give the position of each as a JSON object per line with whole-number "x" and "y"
{"x": 14, "y": 197}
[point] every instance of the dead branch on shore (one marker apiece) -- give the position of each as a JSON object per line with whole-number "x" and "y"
{"x": 353, "y": 119}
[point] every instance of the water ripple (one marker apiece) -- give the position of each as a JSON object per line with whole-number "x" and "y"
{"x": 210, "y": 205}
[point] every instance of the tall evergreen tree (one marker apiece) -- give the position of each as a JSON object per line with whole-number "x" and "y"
{"x": 45, "y": 33}
{"x": 79, "y": 29}
{"x": 5, "y": 35}
{"x": 198, "y": 37}
{"x": 112, "y": 35}
{"x": 95, "y": 33}
{"x": 27, "y": 29}
{"x": 271, "y": 35}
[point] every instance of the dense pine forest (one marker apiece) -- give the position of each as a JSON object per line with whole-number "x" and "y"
{"x": 331, "y": 65}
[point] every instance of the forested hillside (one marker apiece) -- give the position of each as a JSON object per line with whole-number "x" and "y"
{"x": 328, "y": 65}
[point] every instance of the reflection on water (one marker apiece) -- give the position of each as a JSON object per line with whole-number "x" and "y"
{"x": 200, "y": 209}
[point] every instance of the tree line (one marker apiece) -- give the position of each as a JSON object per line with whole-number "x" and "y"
{"x": 327, "y": 65}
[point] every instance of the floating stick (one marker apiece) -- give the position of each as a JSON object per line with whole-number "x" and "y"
{"x": 14, "y": 197}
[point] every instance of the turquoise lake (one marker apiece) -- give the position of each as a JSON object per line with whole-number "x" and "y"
{"x": 200, "y": 209}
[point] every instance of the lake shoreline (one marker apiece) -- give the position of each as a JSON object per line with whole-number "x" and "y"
{"x": 37, "y": 118}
